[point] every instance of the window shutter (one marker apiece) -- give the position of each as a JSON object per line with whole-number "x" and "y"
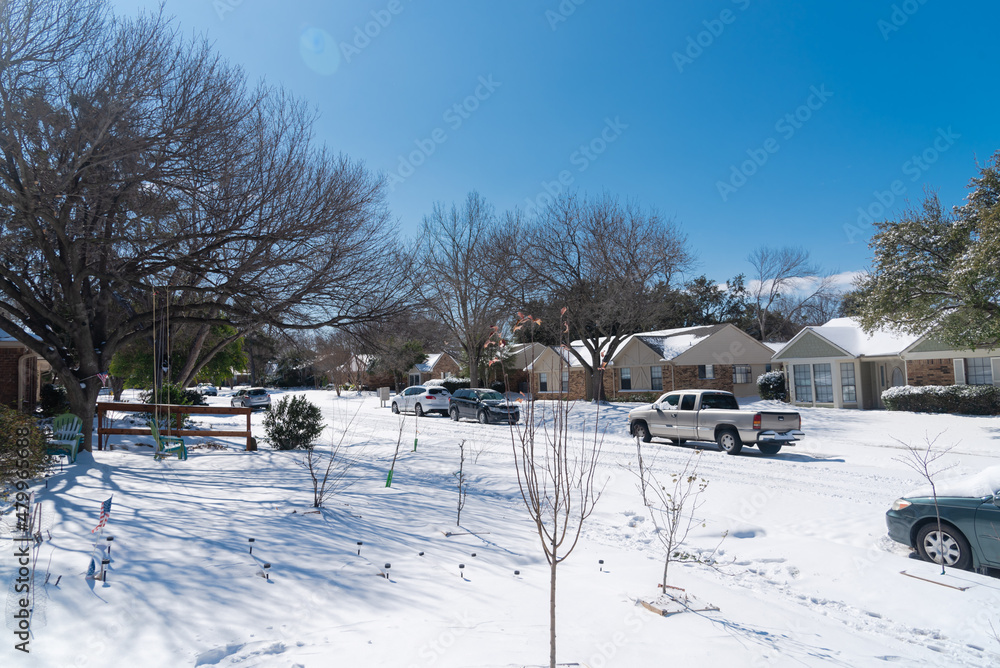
{"x": 995, "y": 362}
{"x": 959, "y": 370}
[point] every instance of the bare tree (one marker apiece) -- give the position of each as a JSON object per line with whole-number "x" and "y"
{"x": 784, "y": 284}
{"x": 329, "y": 469}
{"x": 938, "y": 545}
{"x": 607, "y": 263}
{"x": 556, "y": 479}
{"x": 672, "y": 506}
{"x": 463, "y": 490}
{"x": 469, "y": 272}
{"x": 136, "y": 165}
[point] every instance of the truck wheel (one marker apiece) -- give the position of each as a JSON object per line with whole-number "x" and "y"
{"x": 729, "y": 441}
{"x": 769, "y": 448}
{"x": 642, "y": 431}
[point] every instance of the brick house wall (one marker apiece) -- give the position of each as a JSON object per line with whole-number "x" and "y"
{"x": 446, "y": 366}
{"x": 930, "y": 372}
{"x": 686, "y": 378}
{"x": 577, "y": 386}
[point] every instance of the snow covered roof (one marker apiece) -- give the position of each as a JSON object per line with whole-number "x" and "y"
{"x": 671, "y": 343}
{"x": 776, "y": 347}
{"x": 846, "y": 333}
{"x": 432, "y": 360}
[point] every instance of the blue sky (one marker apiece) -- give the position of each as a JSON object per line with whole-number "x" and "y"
{"x": 746, "y": 121}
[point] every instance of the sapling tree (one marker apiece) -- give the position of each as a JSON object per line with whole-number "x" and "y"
{"x": 926, "y": 462}
{"x": 329, "y": 469}
{"x": 460, "y": 477}
{"x": 556, "y": 478}
{"x": 672, "y": 506}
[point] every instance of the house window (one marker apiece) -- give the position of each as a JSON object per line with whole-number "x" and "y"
{"x": 706, "y": 371}
{"x": 978, "y": 371}
{"x": 626, "y": 379}
{"x": 741, "y": 374}
{"x": 543, "y": 382}
{"x": 565, "y": 381}
{"x": 847, "y": 383}
{"x": 823, "y": 380}
{"x": 656, "y": 374}
{"x": 767, "y": 368}
{"x": 803, "y": 382}
{"x": 414, "y": 379}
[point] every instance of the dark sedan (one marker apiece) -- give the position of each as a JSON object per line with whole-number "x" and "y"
{"x": 969, "y": 536}
{"x": 483, "y": 405}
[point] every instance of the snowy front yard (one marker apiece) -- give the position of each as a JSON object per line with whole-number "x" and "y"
{"x": 806, "y": 575}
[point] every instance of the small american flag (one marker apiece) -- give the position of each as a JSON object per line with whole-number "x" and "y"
{"x": 104, "y": 379}
{"x": 105, "y": 514}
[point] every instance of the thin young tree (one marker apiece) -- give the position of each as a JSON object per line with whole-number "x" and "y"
{"x": 783, "y": 285}
{"x": 926, "y": 462}
{"x": 463, "y": 490}
{"x": 556, "y": 477}
{"x": 329, "y": 469}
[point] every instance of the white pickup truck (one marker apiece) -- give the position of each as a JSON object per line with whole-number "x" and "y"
{"x": 713, "y": 415}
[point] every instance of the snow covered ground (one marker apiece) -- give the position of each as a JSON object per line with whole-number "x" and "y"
{"x": 806, "y": 575}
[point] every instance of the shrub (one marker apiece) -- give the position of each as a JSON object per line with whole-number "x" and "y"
{"x": 771, "y": 385}
{"x": 641, "y": 397}
{"x": 53, "y": 400}
{"x": 292, "y": 423}
{"x": 452, "y": 384}
{"x": 961, "y": 399}
{"x": 13, "y": 426}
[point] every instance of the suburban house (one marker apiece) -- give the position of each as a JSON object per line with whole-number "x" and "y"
{"x": 720, "y": 357}
{"x": 20, "y": 369}
{"x": 437, "y": 365}
{"x": 838, "y": 364}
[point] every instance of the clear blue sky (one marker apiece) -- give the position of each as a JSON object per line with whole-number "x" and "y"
{"x": 681, "y": 92}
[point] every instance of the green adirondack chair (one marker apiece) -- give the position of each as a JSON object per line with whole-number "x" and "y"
{"x": 167, "y": 445}
{"x": 67, "y": 435}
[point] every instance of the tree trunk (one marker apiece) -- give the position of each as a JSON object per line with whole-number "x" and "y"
{"x": 552, "y": 611}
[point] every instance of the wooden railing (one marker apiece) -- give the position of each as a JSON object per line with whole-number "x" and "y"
{"x": 166, "y": 430}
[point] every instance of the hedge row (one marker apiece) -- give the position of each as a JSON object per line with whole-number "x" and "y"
{"x": 961, "y": 399}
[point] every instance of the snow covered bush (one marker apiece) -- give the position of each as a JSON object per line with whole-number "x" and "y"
{"x": 13, "y": 457}
{"x": 771, "y": 385}
{"x": 294, "y": 422}
{"x": 960, "y": 399}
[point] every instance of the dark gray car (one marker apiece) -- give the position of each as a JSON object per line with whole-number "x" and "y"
{"x": 483, "y": 405}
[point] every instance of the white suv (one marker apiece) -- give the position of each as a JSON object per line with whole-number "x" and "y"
{"x": 421, "y": 399}
{"x": 254, "y": 397}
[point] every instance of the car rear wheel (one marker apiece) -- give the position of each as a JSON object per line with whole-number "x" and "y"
{"x": 947, "y": 546}
{"x": 395, "y": 408}
{"x": 418, "y": 410}
{"x": 729, "y": 441}
{"x": 454, "y": 414}
{"x": 483, "y": 417}
{"x": 769, "y": 448}
{"x": 642, "y": 431}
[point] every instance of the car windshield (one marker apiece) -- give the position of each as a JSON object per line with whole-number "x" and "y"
{"x": 256, "y": 393}
{"x": 490, "y": 395}
{"x": 721, "y": 401}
